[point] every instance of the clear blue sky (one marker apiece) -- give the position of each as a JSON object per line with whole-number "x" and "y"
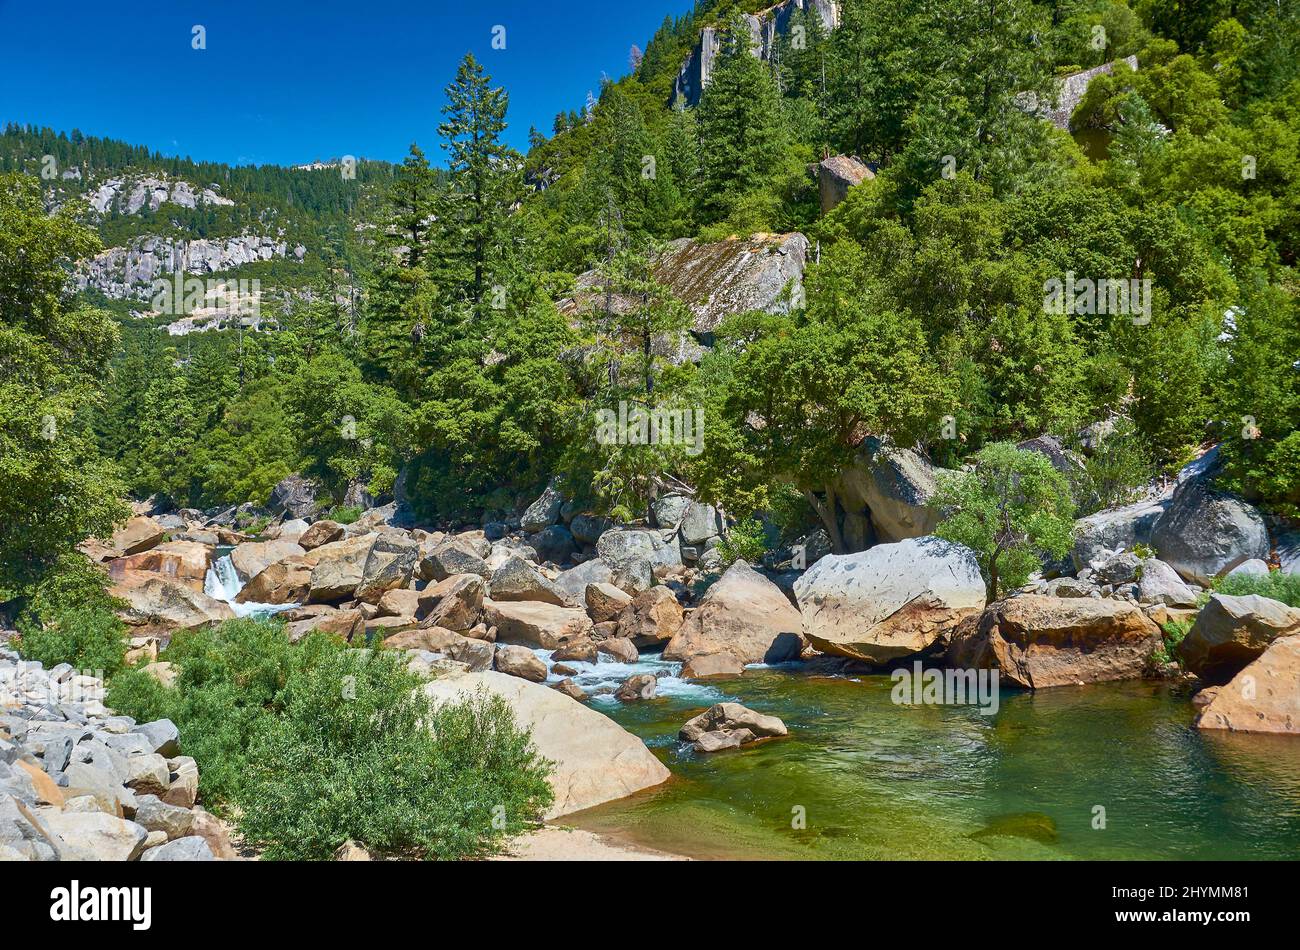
{"x": 288, "y": 82}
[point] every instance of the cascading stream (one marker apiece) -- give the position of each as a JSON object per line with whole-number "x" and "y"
{"x": 222, "y": 583}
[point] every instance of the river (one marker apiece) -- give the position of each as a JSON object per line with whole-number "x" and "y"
{"x": 1110, "y": 771}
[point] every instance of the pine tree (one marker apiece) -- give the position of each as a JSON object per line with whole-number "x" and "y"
{"x": 742, "y": 131}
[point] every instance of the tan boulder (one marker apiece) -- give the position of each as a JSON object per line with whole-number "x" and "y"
{"x": 389, "y": 565}
{"x": 1263, "y": 697}
{"x": 652, "y": 617}
{"x": 401, "y": 602}
{"x": 581, "y": 649}
{"x": 712, "y": 664}
{"x": 1231, "y": 632}
{"x": 520, "y": 661}
{"x": 475, "y": 654}
{"x": 605, "y": 601}
{"x": 184, "y": 561}
{"x": 457, "y": 602}
{"x": 153, "y": 599}
{"x": 595, "y": 759}
{"x": 743, "y": 614}
{"x": 253, "y": 557}
{"x": 322, "y": 532}
{"x": 1037, "y": 641}
{"x": 284, "y": 582}
{"x": 47, "y": 791}
{"x": 536, "y": 624}
{"x": 138, "y": 534}
{"x": 340, "y": 623}
{"x": 337, "y": 568}
{"x": 620, "y": 648}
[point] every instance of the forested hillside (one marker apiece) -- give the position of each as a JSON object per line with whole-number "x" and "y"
{"x": 423, "y": 334}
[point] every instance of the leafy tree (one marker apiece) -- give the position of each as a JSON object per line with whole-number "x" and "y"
{"x": 55, "y": 489}
{"x": 1014, "y": 510}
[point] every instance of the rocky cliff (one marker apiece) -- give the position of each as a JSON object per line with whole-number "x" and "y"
{"x": 128, "y": 272}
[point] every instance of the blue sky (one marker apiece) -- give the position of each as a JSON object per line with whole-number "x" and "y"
{"x": 290, "y": 82}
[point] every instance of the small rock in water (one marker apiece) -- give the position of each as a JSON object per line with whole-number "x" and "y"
{"x": 638, "y": 687}
{"x": 1031, "y": 824}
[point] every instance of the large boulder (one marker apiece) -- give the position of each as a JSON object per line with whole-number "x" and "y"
{"x": 450, "y": 557}
{"x": 595, "y": 759}
{"x": 1262, "y": 697}
{"x": 138, "y": 534}
{"x": 743, "y": 614}
{"x": 455, "y": 604}
{"x": 535, "y": 624}
{"x": 888, "y": 488}
{"x": 573, "y": 582}
{"x": 1114, "y": 529}
{"x": 587, "y": 529}
{"x": 1160, "y": 584}
{"x": 94, "y": 836}
{"x": 1231, "y": 632}
{"x": 517, "y": 579}
{"x": 322, "y": 532}
{"x": 605, "y": 602}
{"x": 1203, "y": 533}
{"x": 284, "y": 582}
{"x": 553, "y": 544}
{"x": 836, "y": 175}
{"x": 521, "y": 662}
{"x": 700, "y": 523}
{"x": 295, "y": 496}
{"x": 186, "y": 562}
{"x": 252, "y": 557}
{"x": 389, "y": 565}
{"x": 338, "y": 567}
{"x": 1037, "y": 641}
{"x": 890, "y": 601}
{"x": 544, "y": 512}
{"x": 156, "y": 600}
{"x": 653, "y": 617}
{"x": 632, "y": 555}
{"x": 669, "y": 509}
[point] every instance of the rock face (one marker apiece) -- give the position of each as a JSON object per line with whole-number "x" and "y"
{"x": 836, "y": 175}
{"x": 764, "y": 29}
{"x": 890, "y": 489}
{"x": 596, "y": 760}
{"x": 714, "y": 280}
{"x": 890, "y": 601}
{"x": 294, "y": 496}
{"x": 743, "y": 614}
{"x": 389, "y": 565}
{"x": 186, "y": 562}
{"x": 1038, "y": 641}
{"x": 1115, "y": 529}
{"x": 454, "y": 604}
{"x": 1070, "y": 92}
{"x": 1231, "y": 632}
{"x": 535, "y": 624}
{"x": 322, "y": 532}
{"x": 632, "y": 557}
{"x": 1263, "y": 697}
{"x": 1203, "y": 534}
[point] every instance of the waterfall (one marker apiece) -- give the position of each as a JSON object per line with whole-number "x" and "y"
{"x": 222, "y": 583}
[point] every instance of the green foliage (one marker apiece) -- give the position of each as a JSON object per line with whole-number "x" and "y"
{"x": 1014, "y": 511}
{"x": 1275, "y": 585}
{"x": 744, "y": 541}
{"x": 89, "y": 638}
{"x": 57, "y": 489}
{"x": 1171, "y": 634}
{"x": 1116, "y": 471}
{"x": 345, "y": 514}
{"x": 313, "y": 744}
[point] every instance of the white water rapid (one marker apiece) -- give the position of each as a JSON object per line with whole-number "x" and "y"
{"x": 222, "y": 583}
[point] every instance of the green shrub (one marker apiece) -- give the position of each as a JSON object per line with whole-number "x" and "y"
{"x": 1172, "y": 634}
{"x": 1275, "y": 584}
{"x": 345, "y": 514}
{"x": 89, "y": 638}
{"x": 1117, "y": 471}
{"x": 313, "y": 744}
{"x": 744, "y": 541}
{"x": 73, "y": 579}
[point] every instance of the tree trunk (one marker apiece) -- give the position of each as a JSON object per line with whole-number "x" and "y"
{"x": 830, "y": 520}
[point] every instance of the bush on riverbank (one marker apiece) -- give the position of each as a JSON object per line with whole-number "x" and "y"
{"x": 91, "y": 639}
{"x": 311, "y": 745}
{"x": 1275, "y": 584}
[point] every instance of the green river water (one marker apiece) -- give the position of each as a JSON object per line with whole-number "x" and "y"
{"x": 877, "y": 780}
